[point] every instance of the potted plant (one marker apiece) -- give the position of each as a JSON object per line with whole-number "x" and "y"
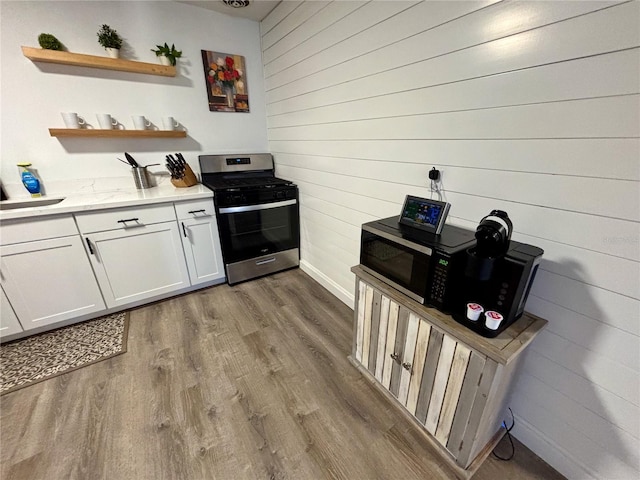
{"x": 49, "y": 42}
{"x": 167, "y": 55}
{"x": 110, "y": 40}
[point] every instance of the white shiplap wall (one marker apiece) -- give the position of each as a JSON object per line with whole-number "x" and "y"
{"x": 530, "y": 107}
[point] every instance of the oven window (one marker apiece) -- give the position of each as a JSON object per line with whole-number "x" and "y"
{"x": 259, "y": 232}
{"x": 402, "y": 265}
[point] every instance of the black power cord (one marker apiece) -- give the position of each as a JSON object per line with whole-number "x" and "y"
{"x": 513, "y": 447}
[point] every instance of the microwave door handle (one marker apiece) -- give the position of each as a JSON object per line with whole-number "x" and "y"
{"x": 264, "y": 206}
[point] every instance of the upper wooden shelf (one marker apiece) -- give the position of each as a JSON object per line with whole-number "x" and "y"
{"x": 80, "y": 132}
{"x": 93, "y": 61}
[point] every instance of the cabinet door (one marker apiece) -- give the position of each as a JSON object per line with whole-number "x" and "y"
{"x": 417, "y": 366}
{"x": 363, "y": 339}
{"x": 407, "y": 357}
{"x": 202, "y": 249}
{"x": 49, "y": 281}
{"x": 9, "y": 323}
{"x": 398, "y": 350}
{"x": 138, "y": 263}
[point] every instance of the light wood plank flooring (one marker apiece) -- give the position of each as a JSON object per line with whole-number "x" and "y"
{"x": 244, "y": 382}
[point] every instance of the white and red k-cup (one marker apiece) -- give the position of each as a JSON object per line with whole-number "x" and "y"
{"x": 474, "y": 310}
{"x": 493, "y": 319}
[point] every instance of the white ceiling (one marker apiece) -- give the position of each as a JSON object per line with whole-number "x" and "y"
{"x": 257, "y": 9}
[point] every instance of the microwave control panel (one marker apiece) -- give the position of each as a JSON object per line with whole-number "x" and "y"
{"x": 441, "y": 271}
{"x": 443, "y": 278}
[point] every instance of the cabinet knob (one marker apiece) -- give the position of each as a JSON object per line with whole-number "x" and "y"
{"x": 395, "y": 357}
{"x": 407, "y": 367}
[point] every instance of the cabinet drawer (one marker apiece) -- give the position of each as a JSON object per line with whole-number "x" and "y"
{"x": 124, "y": 218}
{"x": 195, "y": 209}
{"x": 30, "y": 230}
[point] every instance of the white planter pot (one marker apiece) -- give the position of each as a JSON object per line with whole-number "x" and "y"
{"x": 165, "y": 60}
{"x": 113, "y": 52}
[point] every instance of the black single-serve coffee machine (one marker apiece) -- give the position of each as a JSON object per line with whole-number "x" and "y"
{"x": 498, "y": 276}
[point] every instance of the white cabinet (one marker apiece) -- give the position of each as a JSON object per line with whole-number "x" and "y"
{"x": 50, "y": 280}
{"x": 200, "y": 241}
{"x": 62, "y": 267}
{"x": 133, "y": 257}
{"x": 9, "y": 324}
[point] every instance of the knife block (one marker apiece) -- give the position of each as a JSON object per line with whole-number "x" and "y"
{"x": 189, "y": 179}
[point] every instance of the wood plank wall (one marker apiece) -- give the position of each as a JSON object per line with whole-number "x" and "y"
{"x": 530, "y": 107}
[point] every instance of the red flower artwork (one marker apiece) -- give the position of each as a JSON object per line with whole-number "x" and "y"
{"x": 224, "y": 71}
{"x": 225, "y": 80}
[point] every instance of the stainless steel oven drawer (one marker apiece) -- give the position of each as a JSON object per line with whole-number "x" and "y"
{"x": 264, "y": 265}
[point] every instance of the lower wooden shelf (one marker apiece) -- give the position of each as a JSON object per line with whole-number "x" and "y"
{"x": 79, "y": 132}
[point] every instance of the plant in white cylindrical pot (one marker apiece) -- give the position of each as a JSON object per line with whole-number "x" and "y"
{"x": 168, "y": 55}
{"x": 110, "y": 40}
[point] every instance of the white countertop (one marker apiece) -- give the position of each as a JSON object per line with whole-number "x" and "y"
{"x": 96, "y": 194}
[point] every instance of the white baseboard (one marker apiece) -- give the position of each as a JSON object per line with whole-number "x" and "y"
{"x": 345, "y": 297}
{"x": 550, "y": 452}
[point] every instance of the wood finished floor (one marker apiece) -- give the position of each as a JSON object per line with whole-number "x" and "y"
{"x": 244, "y": 382}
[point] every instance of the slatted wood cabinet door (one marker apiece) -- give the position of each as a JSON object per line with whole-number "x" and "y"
{"x": 452, "y": 388}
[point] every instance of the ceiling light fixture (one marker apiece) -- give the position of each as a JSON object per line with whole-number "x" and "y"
{"x": 236, "y": 3}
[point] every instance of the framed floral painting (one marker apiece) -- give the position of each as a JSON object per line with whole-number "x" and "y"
{"x": 225, "y": 78}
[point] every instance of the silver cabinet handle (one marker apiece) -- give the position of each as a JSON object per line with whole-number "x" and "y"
{"x": 407, "y": 367}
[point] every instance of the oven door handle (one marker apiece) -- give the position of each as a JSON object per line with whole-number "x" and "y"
{"x": 263, "y": 206}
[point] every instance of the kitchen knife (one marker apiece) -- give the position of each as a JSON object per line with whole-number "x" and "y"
{"x": 180, "y": 166}
{"x": 183, "y": 163}
{"x": 172, "y": 162}
{"x": 171, "y": 167}
{"x": 174, "y": 168}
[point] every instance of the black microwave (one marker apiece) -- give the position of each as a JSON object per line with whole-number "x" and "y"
{"x": 425, "y": 266}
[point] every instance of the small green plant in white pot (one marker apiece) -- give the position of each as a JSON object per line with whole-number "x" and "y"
{"x": 168, "y": 55}
{"x": 110, "y": 40}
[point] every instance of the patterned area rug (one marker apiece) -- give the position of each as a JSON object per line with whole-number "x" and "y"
{"x": 34, "y": 359}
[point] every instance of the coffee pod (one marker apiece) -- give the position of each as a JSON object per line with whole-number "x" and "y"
{"x": 473, "y": 311}
{"x": 493, "y": 319}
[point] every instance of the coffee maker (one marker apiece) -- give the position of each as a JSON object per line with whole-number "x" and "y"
{"x": 497, "y": 277}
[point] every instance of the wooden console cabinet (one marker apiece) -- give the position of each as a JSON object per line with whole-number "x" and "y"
{"x": 451, "y": 381}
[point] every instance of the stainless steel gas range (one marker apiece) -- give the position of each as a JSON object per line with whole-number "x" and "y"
{"x": 257, "y": 213}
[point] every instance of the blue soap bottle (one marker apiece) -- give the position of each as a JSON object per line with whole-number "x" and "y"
{"x": 29, "y": 180}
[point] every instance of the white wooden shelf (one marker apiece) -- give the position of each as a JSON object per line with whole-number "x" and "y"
{"x": 93, "y": 61}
